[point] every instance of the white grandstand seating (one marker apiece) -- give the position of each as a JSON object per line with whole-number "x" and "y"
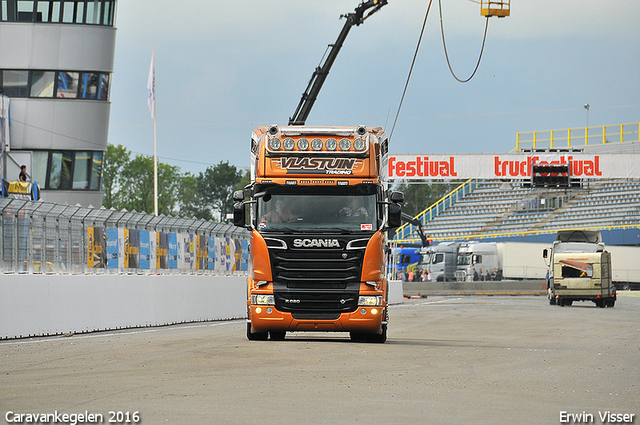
{"x": 491, "y": 210}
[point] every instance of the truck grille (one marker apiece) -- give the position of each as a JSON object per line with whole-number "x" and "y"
{"x": 316, "y": 284}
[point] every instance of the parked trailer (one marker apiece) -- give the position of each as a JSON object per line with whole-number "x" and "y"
{"x": 500, "y": 260}
{"x": 521, "y": 260}
{"x": 625, "y": 266}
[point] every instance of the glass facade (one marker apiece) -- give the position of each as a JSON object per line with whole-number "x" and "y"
{"x": 91, "y": 12}
{"x": 68, "y": 170}
{"x": 55, "y": 84}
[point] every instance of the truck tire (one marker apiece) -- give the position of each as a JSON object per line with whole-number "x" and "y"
{"x": 256, "y": 336}
{"x": 358, "y": 336}
{"x": 277, "y": 335}
{"x": 378, "y": 339}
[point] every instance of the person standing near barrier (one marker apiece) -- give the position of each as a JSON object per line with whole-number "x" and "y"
{"x": 23, "y": 174}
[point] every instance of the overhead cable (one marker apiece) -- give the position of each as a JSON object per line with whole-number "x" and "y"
{"x": 415, "y": 55}
{"x": 444, "y": 44}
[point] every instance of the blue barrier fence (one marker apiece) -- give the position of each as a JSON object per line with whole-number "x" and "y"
{"x": 43, "y": 237}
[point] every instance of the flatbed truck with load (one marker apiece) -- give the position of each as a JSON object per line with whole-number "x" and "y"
{"x": 579, "y": 269}
{"x": 318, "y": 214}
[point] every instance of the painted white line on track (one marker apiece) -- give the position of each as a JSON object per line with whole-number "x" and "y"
{"x": 427, "y": 303}
{"x": 118, "y": 332}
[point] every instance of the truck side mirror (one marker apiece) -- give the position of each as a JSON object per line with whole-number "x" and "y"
{"x": 395, "y": 215}
{"x": 238, "y": 196}
{"x": 545, "y": 253}
{"x": 396, "y": 197}
{"x": 239, "y": 215}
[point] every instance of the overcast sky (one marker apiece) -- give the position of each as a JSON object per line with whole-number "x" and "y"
{"x": 224, "y": 67}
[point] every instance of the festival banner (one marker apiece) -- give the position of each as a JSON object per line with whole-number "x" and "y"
{"x": 212, "y": 253}
{"x": 172, "y": 240}
{"x": 509, "y": 166}
{"x": 145, "y": 250}
{"x": 113, "y": 254}
{"x": 131, "y": 249}
{"x": 96, "y": 247}
{"x": 162, "y": 250}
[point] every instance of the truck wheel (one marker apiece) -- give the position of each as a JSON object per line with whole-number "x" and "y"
{"x": 560, "y": 302}
{"x": 611, "y": 302}
{"x": 600, "y": 303}
{"x": 379, "y": 339}
{"x": 277, "y": 335}
{"x": 358, "y": 336}
{"x": 256, "y": 336}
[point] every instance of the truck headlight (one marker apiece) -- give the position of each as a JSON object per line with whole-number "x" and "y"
{"x": 274, "y": 143}
{"x": 288, "y": 143}
{"x": 360, "y": 144}
{"x": 345, "y": 144}
{"x": 331, "y": 144}
{"x": 303, "y": 144}
{"x": 263, "y": 300}
{"x": 370, "y": 300}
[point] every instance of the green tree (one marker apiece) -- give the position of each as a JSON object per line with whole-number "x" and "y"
{"x": 420, "y": 196}
{"x": 137, "y": 190}
{"x": 216, "y": 187}
{"x": 191, "y": 202}
{"x": 115, "y": 161}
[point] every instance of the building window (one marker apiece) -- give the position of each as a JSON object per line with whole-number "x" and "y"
{"x": 42, "y": 83}
{"x": 39, "y": 162}
{"x": 43, "y": 12}
{"x": 96, "y": 171}
{"x": 15, "y": 83}
{"x": 93, "y": 12}
{"x": 89, "y": 85}
{"x": 55, "y": 84}
{"x": 68, "y": 170}
{"x": 68, "y": 84}
{"x": 59, "y": 176}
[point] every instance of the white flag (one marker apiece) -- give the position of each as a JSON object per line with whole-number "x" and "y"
{"x": 151, "y": 85}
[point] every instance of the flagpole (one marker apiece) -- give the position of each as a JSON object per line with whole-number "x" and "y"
{"x": 152, "y": 107}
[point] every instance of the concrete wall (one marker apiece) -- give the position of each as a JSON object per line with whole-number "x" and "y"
{"x": 504, "y": 287}
{"x": 40, "y": 305}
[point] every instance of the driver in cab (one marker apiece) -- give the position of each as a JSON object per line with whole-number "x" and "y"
{"x": 280, "y": 214}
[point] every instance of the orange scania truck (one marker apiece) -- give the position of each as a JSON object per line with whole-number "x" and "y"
{"x": 318, "y": 214}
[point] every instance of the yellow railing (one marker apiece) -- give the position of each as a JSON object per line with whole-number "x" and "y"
{"x": 499, "y": 8}
{"x": 581, "y": 136}
{"x": 446, "y": 201}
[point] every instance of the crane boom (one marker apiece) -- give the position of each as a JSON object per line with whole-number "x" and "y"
{"x": 320, "y": 73}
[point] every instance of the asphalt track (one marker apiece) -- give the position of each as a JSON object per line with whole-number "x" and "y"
{"x": 447, "y": 360}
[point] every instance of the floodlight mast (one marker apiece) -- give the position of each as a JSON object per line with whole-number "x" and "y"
{"x": 320, "y": 73}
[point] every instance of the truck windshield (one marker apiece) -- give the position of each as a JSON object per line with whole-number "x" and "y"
{"x": 303, "y": 211}
{"x": 464, "y": 259}
{"x": 426, "y": 258}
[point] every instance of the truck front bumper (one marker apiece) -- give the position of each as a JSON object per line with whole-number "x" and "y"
{"x": 365, "y": 319}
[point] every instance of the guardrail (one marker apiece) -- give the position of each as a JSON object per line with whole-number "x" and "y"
{"x": 405, "y": 231}
{"x": 48, "y": 238}
{"x": 523, "y": 233}
{"x": 581, "y": 136}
